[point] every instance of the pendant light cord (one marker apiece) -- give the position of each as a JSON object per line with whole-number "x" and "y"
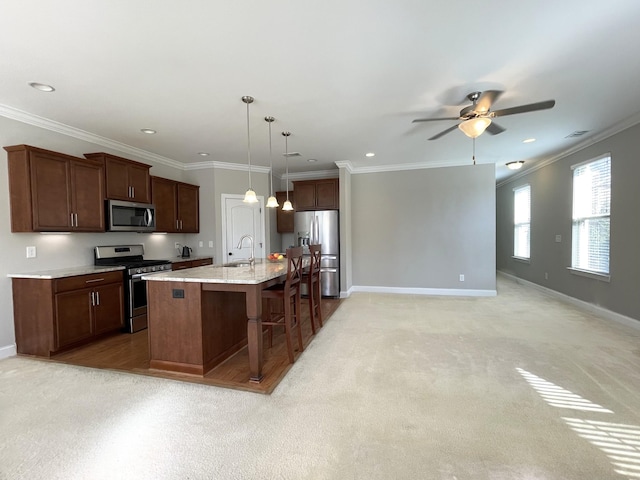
{"x": 249, "y": 146}
{"x": 270, "y": 159}
{"x": 286, "y": 157}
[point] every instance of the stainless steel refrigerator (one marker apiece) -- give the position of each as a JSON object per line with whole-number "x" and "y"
{"x": 321, "y": 227}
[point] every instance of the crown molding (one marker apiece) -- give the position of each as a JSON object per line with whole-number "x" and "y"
{"x": 398, "y": 167}
{"x": 224, "y": 165}
{"x": 587, "y": 142}
{"x": 47, "y": 124}
{"x": 313, "y": 175}
{"x": 347, "y": 165}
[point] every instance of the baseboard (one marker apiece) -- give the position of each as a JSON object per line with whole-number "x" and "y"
{"x": 346, "y": 294}
{"x": 8, "y": 351}
{"x": 590, "y": 307}
{"x": 447, "y": 292}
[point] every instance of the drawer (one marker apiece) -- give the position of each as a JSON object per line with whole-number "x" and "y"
{"x": 202, "y": 262}
{"x": 86, "y": 281}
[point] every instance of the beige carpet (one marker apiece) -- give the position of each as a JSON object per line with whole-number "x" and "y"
{"x": 519, "y": 386}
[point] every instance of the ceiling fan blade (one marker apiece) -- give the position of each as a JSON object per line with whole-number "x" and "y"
{"x": 433, "y": 119}
{"x": 532, "y": 107}
{"x": 444, "y": 132}
{"x": 486, "y": 99}
{"x": 495, "y": 129}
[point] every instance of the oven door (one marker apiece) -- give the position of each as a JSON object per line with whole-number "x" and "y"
{"x": 137, "y": 304}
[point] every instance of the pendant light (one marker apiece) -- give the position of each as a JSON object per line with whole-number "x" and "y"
{"x": 287, "y": 205}
{"x": 272, "y": 202}
{"x": 250, "y": 195}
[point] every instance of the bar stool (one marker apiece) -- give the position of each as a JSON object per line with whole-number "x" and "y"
{"x": 289, "y": 294}
{"x": 311, "y": 276}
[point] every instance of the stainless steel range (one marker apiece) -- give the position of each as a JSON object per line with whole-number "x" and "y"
{"x": 135, "y": 289}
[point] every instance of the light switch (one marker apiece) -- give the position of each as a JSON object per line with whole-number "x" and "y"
{"x": 31, "y": 252}
{"x": 200, "y": 244}
{"x": 210, "y": 243}
{"x": 558, "y": 238}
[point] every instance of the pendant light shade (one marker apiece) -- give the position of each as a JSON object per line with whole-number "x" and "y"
{"x": 250, "y": 195}
{"x": 287, "y": 205}
{"x": 474, "y": 127}
{"x": 272, "y": 202}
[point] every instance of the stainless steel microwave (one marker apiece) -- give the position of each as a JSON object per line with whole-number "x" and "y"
{"x": 125, "y": 216}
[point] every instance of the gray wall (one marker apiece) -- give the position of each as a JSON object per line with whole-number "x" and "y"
{"x": 76, "y": 249}
{"x": 551, "y": 198}
{"x": 423, "y": 228}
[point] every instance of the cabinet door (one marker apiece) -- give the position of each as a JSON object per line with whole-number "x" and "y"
{"x": 72, "y": 317}
{"x": 51, "y": 192}
{"x": 327, "y": 194}
{"x": 284, "y": 219}
{"x": 305, "y": 195}
{"x": 202, "y": 262}
{"x": 108, "y": 311}
{"x": 139, "y": 182}
{"x": 117, "y": 179}
{"x": 87, "y": 197}
{"x": 188, "y": 208}
{"x": 164, "y": 198}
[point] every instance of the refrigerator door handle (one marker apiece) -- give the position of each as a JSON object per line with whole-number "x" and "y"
{"x": 317, "y": 231}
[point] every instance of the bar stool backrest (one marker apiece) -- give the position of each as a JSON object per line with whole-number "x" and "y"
{"x": 294, "y": 268}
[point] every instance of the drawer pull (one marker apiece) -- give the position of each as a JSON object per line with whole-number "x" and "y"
{"x": 94, "y": 280}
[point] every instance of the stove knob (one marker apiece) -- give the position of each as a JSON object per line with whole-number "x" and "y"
{"x": 138, "y": 270}
{"x": 153, "y": 269}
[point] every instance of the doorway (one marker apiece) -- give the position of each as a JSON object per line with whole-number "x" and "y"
{"x": 238, "y": 219}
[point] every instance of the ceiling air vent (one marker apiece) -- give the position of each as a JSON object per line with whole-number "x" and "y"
{"x": 292, "y": 154}
{"x": 577, "y": 133}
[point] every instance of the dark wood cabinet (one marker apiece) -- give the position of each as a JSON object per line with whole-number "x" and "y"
{"x": 51, "y": 315}
{"x": 200, "y": 262}
{"x": 124, "y": 179}
{"x": 51, "y": 191}
{"x": 177, "y": 206}
{"x": 284, "y": 220}
{"x": 317, "y": 194}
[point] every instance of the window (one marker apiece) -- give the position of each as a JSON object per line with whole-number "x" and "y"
{"x": 591, "y": 210}
{"x": 521, "y": 221}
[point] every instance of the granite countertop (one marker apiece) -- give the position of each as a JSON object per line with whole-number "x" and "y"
{"x": 262, "y": 271}
{"x": 66, "y": 272}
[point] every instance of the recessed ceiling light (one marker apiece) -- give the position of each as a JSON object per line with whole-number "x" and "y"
{"x": 370, "y": 154}
{"x": 41, "y": 86}
{"x": 529, "y": 140}
{"x": 148, "y": 131}
{"x": 203, "y": 154}
{"x": 515, "y": 165}
{"x": 312, "y": 160}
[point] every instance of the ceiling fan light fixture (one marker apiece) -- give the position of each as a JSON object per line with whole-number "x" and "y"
{"x": 515, "y": 165}
{"x": 474, "y": 127}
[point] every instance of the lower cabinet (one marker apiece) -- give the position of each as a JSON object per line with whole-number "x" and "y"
{"x": 200, "y": 262}
{"x": 51, "y": 315}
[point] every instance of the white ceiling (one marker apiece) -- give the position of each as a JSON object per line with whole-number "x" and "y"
{"x": 345, "y": 77}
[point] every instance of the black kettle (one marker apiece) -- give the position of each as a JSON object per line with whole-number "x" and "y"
{"x": 186, "y": 252}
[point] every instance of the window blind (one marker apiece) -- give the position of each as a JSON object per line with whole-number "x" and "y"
{"x": 522, "y": 221}
{"x": 591, "y": 216}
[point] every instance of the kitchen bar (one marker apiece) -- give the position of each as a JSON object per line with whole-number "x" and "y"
{"x": 201, "y": 316}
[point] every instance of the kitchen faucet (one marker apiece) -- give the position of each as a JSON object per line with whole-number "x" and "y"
{"x": 252, "y": 259}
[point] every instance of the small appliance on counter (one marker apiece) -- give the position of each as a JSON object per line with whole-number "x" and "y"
{"x": 186, "y": 252}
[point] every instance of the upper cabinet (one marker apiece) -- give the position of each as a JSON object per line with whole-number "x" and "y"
{"x": 316, "y": 194}
{"x": 177, "y": 206}
{"x": 52, "y": 192}
{"x": 124, "y": 179}
{"x": 284, "y": 219}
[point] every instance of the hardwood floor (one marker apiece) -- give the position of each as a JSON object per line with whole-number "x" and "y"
{"x": 130, "y": 353}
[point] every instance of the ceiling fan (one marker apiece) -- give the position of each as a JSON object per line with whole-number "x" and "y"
{"x": 477, "y": 118}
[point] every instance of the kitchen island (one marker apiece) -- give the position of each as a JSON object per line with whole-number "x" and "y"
{"x": 201, "y": 316}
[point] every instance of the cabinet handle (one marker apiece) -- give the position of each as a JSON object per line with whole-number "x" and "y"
{"x": 133, "y": 192}
{"x": 180, "y": 224}
{"x": 97, "y": 298}
{"x": 93, "y": 298}
{"x": 177, "y": 224}
{"x": 94, "y": 280}
{"x": 71, "y": 214}
{"x": 75, "y": 215}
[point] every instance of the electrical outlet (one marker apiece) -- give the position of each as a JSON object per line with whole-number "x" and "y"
{"x": 210, "y": 243}
{"x": 462, "y": 277}
{"x": 558, "y": 238}
{"x": 546, "y": 276}
{"x": 176, "y": 245}
{"x": 200, "y": 244}
{"x": 31, "y": 252}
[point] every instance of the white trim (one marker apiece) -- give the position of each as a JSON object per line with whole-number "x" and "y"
{"x": 398, "y": 167}
{"x": 593, "y": 160}
{"x": 590, "y": 307}
{"x": 603, "y": 277}
{"x": 313, "y": 175}
{"x": 227, "y": 166}
{"x": 448, "y": 292}
{"x": 521, "y": 259}
{"x": 346, "y": 294}
{"x": 8, "y": 351}
{"x": 520, "y": 187}
{"x": 619, "y": 127}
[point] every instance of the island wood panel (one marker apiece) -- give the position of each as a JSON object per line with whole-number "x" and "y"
{"x": 175, "y": 327}
{"x": 32, "y": 301}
